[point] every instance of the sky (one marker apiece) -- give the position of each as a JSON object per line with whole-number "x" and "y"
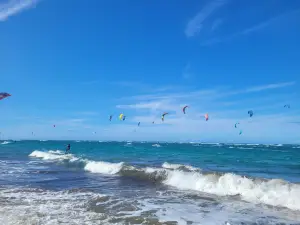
{"x": 73, "y": 63}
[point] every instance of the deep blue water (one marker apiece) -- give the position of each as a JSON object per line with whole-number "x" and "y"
{"x": 126, "y": 182}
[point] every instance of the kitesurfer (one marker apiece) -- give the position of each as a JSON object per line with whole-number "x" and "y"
{"x": 68, "y": 148}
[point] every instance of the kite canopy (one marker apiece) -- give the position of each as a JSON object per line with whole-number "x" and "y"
{"x": 163, "y": 116}
{"x": 110, "y": 117}
{"x": 183, "y": 109}
{"x": 235, "y": 125}
{"x": 250, "y": 112}
{"x": 4, "y": 95}
{"x": 139, "y": 123}
{"x": 206, "y": 116}
{"x": 287, "y": 106}
{"x": 240, "y": 132}
{"x": 121, "y": 116}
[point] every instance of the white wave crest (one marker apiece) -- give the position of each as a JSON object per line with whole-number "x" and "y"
{"x": 91, "y": 166}
{"x": 52, "y": 155}
{"x": 276, "y": 145}
{"x": 5, "y": 142}
{"x": 178, "y": 166}
{"x": 156, "y": 145}
{"x": 103, "y": 167}
{"x": 271, "y": 192}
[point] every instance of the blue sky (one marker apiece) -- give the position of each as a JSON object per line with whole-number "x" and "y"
{"x": 73, "y": 63}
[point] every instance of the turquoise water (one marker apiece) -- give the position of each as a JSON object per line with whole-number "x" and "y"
{"x": 149, "y": 183}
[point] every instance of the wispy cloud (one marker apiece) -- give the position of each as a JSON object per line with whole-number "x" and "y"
{"x": 216, "y": 24}
{"x": 214, "y": 93}
{"x": 269, "y": 86}
{"x": 266, "y": 23}
{"x": 186, "y": 74}
{"x": 216, "y": 102}
{"x": 143, "y": 87}
{"x": 152, "y": 105}
{"x": 12, "y": 7}
{"x": 249, "y": 30}
{"x": 195, "y": 25}
{"x": 175, "y": 95}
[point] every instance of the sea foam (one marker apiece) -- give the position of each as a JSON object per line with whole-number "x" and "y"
{"x": 273, "y": 192}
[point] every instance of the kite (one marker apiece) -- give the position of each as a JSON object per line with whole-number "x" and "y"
{"x": 287, "y": 106}
{"x": 163, "y": 116}
{"x": 110, "y": 117}
{"x": 4, "y": 95}
{"x": 206, "y": 116}
{"x": 139, "y": 123}
{"x": 235, "y": 125}
{"x": 250, "y": 112}
{"x": 121, "y": 116}
{"x": 183, "y": 109}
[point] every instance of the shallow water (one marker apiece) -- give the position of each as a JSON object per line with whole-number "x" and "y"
{"x": 148, "y": 183}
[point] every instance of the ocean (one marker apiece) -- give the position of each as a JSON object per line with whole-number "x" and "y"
{"x": 148, "y": 183}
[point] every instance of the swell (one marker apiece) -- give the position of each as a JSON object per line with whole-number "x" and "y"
{"x": 273, "y": 192}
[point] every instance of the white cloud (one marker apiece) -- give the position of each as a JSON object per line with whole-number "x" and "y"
{"x": 205, "y": 94}
{"x": 266, "y": 125}
{"x": 176, "y": 95}
{"x": 249, "y": 30}
{"x": 195, "y": 25}
{"x": 269, "y": 86}
{"x": 216, "y": 24}
{"x": 153, "y": 106}
{"x": 270, "y": 128}
{"x": 142, "y": 87}
{"x": 13, "y": 7}
{"x": 187, "y": 72}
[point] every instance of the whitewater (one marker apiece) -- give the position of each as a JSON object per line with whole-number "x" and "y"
{"x": 150, "y": 183}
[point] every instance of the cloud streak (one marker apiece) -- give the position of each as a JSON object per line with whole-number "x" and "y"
{"x": 195, "y": 25}
{"x": 186, "y": 74}
{"x": 269, "y": 86}
{"x": 216, "y": 24}
{"x": 249, "y": 30}
{"x": 208, "y": 94}
{"x": 13, "y": 7}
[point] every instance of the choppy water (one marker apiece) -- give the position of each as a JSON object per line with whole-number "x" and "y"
{"x": 148, "y": 183}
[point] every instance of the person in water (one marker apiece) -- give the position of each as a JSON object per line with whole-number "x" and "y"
{"x": 68, "y": 148}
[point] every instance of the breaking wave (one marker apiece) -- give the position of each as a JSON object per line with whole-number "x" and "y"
{"x": 273, "y": 192}
{"x": 156, "y": 145}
